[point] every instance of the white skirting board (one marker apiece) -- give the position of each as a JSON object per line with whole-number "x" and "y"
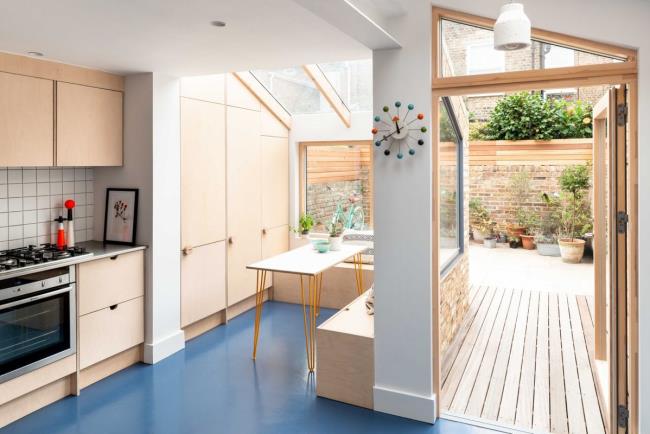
{"x": 157, "y": 351}
{"x": 404, "y": 404}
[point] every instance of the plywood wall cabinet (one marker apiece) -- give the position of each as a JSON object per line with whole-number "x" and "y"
{"x": 211, "y": 88}
{"x": 244, "y": 200}
{"x": 238, "y": 96}
{"x": 271, "y": 126}
{"x": 203, "y": 172}
{"x": 26, "y": 121}
{"x": 88, "y": 126}
{"x": 203, "y": 282}
{"x": 275, "y": 181}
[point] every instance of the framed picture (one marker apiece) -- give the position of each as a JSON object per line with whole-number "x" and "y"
{"x": 121, "y": 216}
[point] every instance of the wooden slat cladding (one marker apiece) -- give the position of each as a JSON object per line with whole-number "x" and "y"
{"x": 521, "y": 152}
{"x": 337, "y": 163}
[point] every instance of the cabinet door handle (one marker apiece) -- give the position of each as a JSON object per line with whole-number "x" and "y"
{"x": 230, "y": 240}
{"x": 263, "y": 231}
{"x": 113, "y": 307}
{"x": 187, "y": 250}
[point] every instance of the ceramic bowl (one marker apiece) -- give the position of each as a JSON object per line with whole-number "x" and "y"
{"x": 316, "y": 241}
{"x": 323, "y": 247}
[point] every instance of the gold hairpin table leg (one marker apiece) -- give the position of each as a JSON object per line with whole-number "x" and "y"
{"x": 319, "y": 284}
{"x": 358, "y": 271}
{"x": 259, "y": 299}
{"x": 309, "y": 305}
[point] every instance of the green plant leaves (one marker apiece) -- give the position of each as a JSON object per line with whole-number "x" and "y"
{"x": 528, "y": 116}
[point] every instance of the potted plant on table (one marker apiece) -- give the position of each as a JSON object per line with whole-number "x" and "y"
{"x": 546, "y": 238}
{"x": 305, "y": 224}
{"x": 335, "y": 230}
{"x": 576, "y": 213}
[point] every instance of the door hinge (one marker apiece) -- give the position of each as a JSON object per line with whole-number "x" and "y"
{"x": 623, "y": 415}
{"x": 621, "y": 114}
{"x": 621, "y": 222}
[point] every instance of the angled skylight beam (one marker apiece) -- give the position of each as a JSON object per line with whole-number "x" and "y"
{"x": 329, "y": 92}
{"x": 248, "y": 79}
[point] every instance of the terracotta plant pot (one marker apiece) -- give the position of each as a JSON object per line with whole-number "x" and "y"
{"x": 528, "y": 242}
{"x": 572, "y": 250}
{"x": 516, "y": 231}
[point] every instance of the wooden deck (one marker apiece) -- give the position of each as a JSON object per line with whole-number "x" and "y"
{"x": 524, "y": 359}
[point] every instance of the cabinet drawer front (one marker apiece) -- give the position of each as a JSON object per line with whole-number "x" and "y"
{"x": 107, "y": 332}
{"x": 107, "y": 281}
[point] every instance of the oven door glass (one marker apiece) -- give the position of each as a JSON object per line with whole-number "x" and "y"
{"x": 33, "y": 331}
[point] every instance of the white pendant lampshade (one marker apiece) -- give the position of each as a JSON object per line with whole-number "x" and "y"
{"x": 512, "y": 29}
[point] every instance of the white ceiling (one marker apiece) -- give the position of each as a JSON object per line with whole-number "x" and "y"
{"x": 173, "y": 36}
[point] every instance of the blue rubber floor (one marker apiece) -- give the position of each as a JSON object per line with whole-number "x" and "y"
{"x": 213, "y": 386}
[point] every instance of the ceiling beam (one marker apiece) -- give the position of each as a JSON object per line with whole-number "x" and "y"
{"x": 328, "y": 91}
{"x": 252, "y": 84}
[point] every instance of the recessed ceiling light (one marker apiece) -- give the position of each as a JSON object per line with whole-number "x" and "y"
{"x": 218, "y": 23}
{"x": 35, "y": 53}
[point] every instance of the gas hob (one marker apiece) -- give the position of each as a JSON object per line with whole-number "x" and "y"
{"x": 35, "y": 255}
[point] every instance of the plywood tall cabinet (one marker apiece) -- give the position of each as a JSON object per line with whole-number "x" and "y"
{"x": 235, "y": 192}
{"x": 203, "y": 199}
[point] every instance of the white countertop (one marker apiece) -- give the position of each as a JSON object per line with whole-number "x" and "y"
{"x": 306, "y": 261}
{"x": 95, "y": 250}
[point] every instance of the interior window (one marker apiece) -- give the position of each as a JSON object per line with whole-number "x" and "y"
{"x": 451, "y": 186}
{"x": 337, "y": 184}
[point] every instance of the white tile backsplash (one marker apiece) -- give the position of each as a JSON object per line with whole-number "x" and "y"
{"x": 31, "y": 198}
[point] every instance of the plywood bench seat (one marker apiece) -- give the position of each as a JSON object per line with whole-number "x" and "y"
{"x": 345, "y": 355}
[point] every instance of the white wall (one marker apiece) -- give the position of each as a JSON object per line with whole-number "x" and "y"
{"x": 319, "y": 127}
{"x": 403, "y": 312}
{"x": 151, "y": 163}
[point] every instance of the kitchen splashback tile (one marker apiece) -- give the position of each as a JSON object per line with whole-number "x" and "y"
{"x": 31, "y": 198}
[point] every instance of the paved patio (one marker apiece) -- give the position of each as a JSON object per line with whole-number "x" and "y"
{"x": 526, "y": 269}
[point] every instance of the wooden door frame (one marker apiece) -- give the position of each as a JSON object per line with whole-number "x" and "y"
{"x": 624, "y": 73}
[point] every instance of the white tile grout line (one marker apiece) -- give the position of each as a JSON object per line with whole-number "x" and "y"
{"x": 31, "y": 198}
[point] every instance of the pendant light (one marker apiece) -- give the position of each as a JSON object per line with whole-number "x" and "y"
{"x": 512, "y": 29}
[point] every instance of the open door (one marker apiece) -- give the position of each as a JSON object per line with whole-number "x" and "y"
{"x": 610, "y": 256}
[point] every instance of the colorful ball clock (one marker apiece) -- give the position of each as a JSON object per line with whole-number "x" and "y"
{"x": 398, "y": 132}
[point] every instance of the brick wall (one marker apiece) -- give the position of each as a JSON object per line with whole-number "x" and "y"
{"x": 322, "y": 198}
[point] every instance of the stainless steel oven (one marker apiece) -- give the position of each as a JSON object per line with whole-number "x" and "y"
{"x": 37, "y": 320}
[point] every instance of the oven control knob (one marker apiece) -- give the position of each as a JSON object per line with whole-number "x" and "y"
{"x": 60, "y": 279}
{"x": 42, "y": 284}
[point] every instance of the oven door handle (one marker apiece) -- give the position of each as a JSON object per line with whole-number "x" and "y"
{"x": 35, "y": 298}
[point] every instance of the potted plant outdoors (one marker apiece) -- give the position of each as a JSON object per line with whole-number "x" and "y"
{"x": 335, "y": 230}
{"x": 478, "y": 215}
{"x": 575, "y": 213}
{"x": 514, "y": 242}
{"x": 546, "y": 238}
{"x": 529, "y": 221}
{"x": 486, "y": 228}
{"x": 519, "y": 188}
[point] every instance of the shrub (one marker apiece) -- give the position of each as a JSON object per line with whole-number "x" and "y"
{"x": 576, "y": 211}
{"x": 528, "y": 116}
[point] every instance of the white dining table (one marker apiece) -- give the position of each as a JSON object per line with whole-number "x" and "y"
{"x": 305, "y": 262}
